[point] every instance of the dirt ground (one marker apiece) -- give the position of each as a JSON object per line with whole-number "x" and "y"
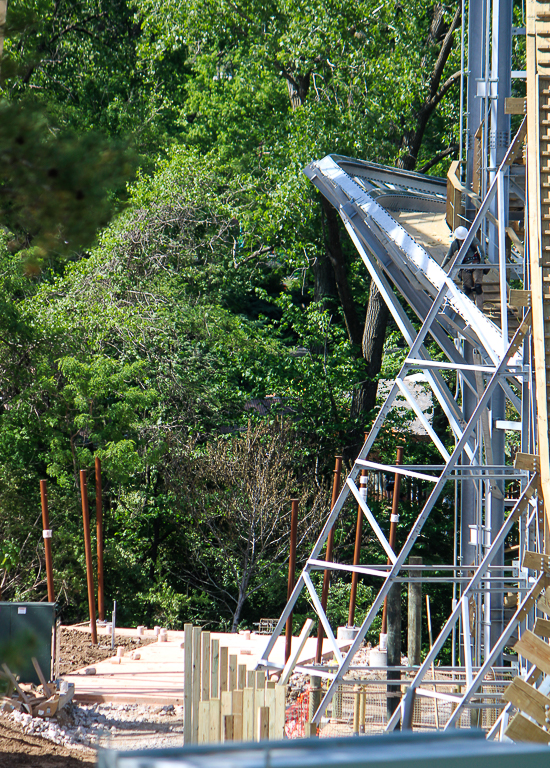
{"x": 20, "y": 750}
{"x": 17, "y": 750}
{"x": 77, "y": 650}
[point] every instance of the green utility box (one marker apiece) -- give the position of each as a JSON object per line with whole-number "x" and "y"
{"x": 27, "y": 630}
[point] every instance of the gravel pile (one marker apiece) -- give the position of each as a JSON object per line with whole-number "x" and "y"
{"x": 123, "y": 726}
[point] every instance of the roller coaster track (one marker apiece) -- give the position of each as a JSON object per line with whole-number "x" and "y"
{"x": 377, "y": 205}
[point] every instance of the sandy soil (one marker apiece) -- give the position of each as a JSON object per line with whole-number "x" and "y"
{"x": 77, "y": 650}
{"x": 17, "y": 750}
{"x": 21, "y": 750}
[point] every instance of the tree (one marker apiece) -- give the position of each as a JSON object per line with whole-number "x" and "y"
{"x": 240, "y": 491}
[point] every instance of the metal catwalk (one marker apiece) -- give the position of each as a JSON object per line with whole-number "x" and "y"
{"x": 396, "y": 219}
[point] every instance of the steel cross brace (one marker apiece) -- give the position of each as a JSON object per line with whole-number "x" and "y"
{"x": 513, "y": 517}
{"x": 415, "y": 531}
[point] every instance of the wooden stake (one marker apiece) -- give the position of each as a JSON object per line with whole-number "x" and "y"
{"x": 248, "y": 714}
{"x": 197, "y": 631}
{"x": 215, "y": 669}
{"x": 237, "y": 709}
{"x": 188, "y": 684}
{"x": 204, "y": 722}
{"x": 241, "y": 676}
{"x": 228, "y": 728}
{"x": 205, "y": 667}
{"x": 232, "y": 672}
{"x": 88, "y": 550}
{"x": 263, "y": 723}
{"x": 99, "y": 533}
{"x": 280, "y": 711}
{"x": 215, "y": 721}
{"x": 47, "y": 534}
{"x": 270, "y": 703}
{"x": 223, "y": 669}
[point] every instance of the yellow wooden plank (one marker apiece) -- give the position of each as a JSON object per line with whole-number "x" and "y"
{"x": 534, "y": 650}
{"x": 248, "y": 714}
{"x": 527, "y": 699}
{"x": 543, "y": 603}
{"x": 542, "y": 627}
{"x": 215, "y": 721}
{"x": 519, "y": 298}
{"x": 527, "y": 461}
{"x": 522, "y": 729}
{"x": 515, "y": 106}
{"x": 536, "y": 561}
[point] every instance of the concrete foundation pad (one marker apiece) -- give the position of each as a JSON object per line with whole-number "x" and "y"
{"x": 157, "y": 678}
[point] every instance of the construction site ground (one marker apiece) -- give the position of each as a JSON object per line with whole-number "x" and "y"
{"x": 134, "y": 704}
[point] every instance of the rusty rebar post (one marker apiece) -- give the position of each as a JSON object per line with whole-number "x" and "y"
{"x": 357, "y": 551}
{"x": 99, "y": 532}
{"x": 47, "y": 535}
{"x": 291, "y": 573}
{"x": 394, "y": 519}
{"x": 328, "y": 558}
{"x": 88, "y": 551}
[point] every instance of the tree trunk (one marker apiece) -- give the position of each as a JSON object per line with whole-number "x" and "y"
{"x": 412, "y": 140}
{"x": 3, "y": 12}
{"x": 325, "y": 285}
{"x": 337, "y": 260}
{"x": 374, "y": 335}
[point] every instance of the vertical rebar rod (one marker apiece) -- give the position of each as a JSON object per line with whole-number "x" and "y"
{"x": 47, "y": 534}
{"x": 88, "y": 551}
{"x": 357, "y": 551}
{"x": 328, "y": 557}
{"x": 394, "y": 519}
{"x": 99, "y": 532}
{"x": 291, "y": 573}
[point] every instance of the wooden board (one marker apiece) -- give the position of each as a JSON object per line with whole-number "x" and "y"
{"x": 280, "y": 711}
{"x": 263, "y": 724}
{"x": 527, "y": 461}
{"x": 526, "y": 698}
{"x": 270, "y": 701}
{"x": 522, "y": 729}
{"x": 204, "y": 722}
{"x": 197, "y": 632}
{"x": 237, "y": 711}
{"x": 224, "y": 660}
{"x": 515, "y": 106}
{"x": 205, "y": 667}
{"x": 535, "y": 650}
{"x": 519, "y": 298}
{"x": 215, "y": 721}
{"x": 543, "y": 603}
{"x": 536, "y": 561}
{"x": 215, "y": 669}
{"x": 542, "y": 627}
{"x": 248, "y": 714}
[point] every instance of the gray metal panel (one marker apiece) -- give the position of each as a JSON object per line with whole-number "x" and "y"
{"x": 466, "y": 749}
{"x": 28, "y": 627}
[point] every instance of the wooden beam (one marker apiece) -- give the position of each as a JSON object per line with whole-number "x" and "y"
{"x": 515, "y": 106}
{"x": 526, "y": 698}
{"x": 542, "y": 627}
{"x": 534, "y": 650}
{"x": 522, "y": 729}
{"x": 263, "y": 723}
{"x": 188, "y": 684}
{"x": 205, "y": 667}
{"x": 215, "y": 721}
{"x": 536, "y": 561}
